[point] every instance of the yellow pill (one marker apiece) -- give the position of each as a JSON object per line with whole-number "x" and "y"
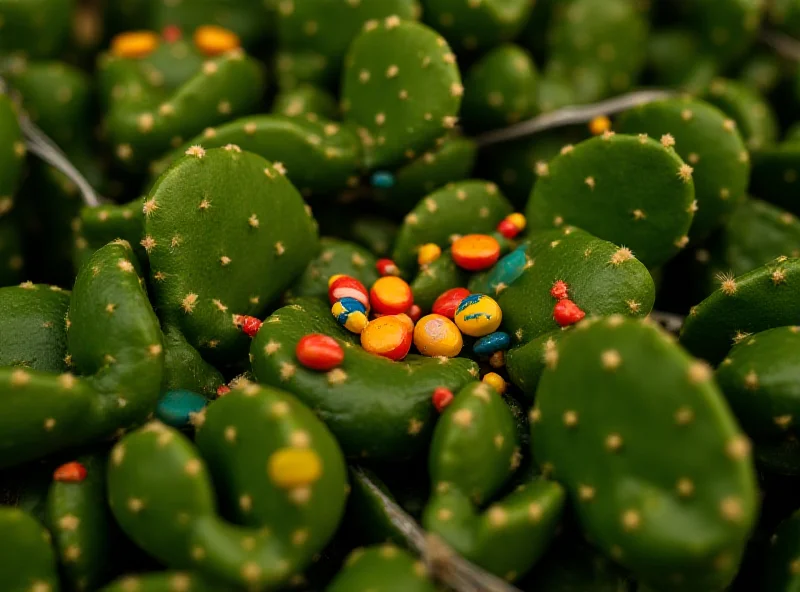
{"x": 212, "y": 40}
{"x": 135, "y": 44}
{"x": 495, "y": 381}
{"x": 517, "y": 220}
{"x": 599, "y": 125}
{"x": 478, "y": 315}
{"x": 294, "y": 467}
{"x": 436, "y": 335}
{"x": 428, "y": 253}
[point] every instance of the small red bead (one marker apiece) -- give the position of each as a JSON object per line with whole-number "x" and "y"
{"x": 387, "y": 267}
{"x": 223, "y": 390}
{"x": 348, "y": 287}
{"x": 71, "y": 472}
{"x": 442, "y": 397}
{"x": 319, "y": 352}
{"x": 414, "y": 313}
{"x": 249, "y": 325}
{"x": 447, "y": 302}
{"x": 507, "y": 228}
{"x": 171, "y": 33}
{"x": 559, "y": 290}
{"x": 566, "y": 313}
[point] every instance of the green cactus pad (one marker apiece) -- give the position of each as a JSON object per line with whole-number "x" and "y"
{"x": 336, "y": 257}
{"x": 100, "y": 225}
{"x": 452, "y": 161}
{"x": 756, "y": 301}
{"x": 602, "y": 279}
{"x": 11, "y": 259}
{"x": 374, "y": 233}
{"x": 776, "y": 174}
{"x": 161, "y": 493}
{"x": 500, "y": 89}
{"x": 12, "y": 154}
{"x": 759, "y": 378}
{"x": 167, "y": 581}
{"x": 626, "y": 189}
{"x": 705, "y": 139}
{"x": 727, "y": 27}
{"x": 751, "y": 111}
{"x": 81, "y": 526}
{"x": 781, "y": 573}
{"x": 386, "y": 568}
{"x": 377, "y": 408}
{"x": 306, "y": 101}
{"x": 435, "y": 278}
{"x": 525, "y": 363}
{"x": 37, "y": 28}
{"x": 319, "y": 156}
{"x": 320, "y": 31}
{"x": 401, "y": 88}
{"x": 27, "y": 561}
{"x": 184, "y": 369}
{"x": 664, "y": 483}
{"x": 786, "y": 15}
{"x": 467, "y": 207}
{"x": 227, "y": 232}
{"x": 673, "y": 58}
{"x": 32, "y": 323}
{"x": 474, "y": 26}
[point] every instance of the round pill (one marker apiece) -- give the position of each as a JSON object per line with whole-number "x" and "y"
{"x": 447, "y": 302}
{"x": 391, "y": 295}
{"x": 319, "y": 352}
{"x": 478, "y": 315}
{"x": 436, "y": 335}
{"x": 475, "y": 252}
{"x": 387, "y": 336}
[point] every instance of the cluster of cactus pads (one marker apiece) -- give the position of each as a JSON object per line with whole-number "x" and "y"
{"x": 325, "y": 323}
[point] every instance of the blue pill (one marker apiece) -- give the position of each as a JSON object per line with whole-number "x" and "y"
{"x": 491, "y": 343}
{"x": 175, "y": 408}
{"x": 382, "y": 180}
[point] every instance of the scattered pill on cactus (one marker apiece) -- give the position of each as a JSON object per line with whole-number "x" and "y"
{"x": 387, "y": 336}
{"x": 319, "y": 352}
{"x": 350, "y": 314}
{"x": 599, "y": 125}
{"x": 171, "y": 33}
{"x": 436, "y": 335}
{"x": 560, "y": 290}
{"x": 176, "y": 408}
{"x": 136, "y": 44}
{"x": 391, "y": 295}
{"x": 497, "y": 359}
{"x": 223, "y": 390}
{"x": 71, "y": 472}
{"x": 382, "y": 180}
{"x": 567, "y": 313}
{"x": 414, "y": 313}
{"x": 428, "y": 253}
{"x": 478, "y": 315}
{"x": 441, "y": 398}
{"x": 345, "y": 286}
{"x": 508, "y": 269}
{"x": 495, "y": 381}
{"x": 475, "y": 252}
{"x": 507, "y": 229}
{"x": 250, "y": 325}
{"x": 290, "y": 468}
{"x": 387, "y": 267}
{"x": 447, "y": 302}
{"x": 333, "y": 278}
{"x": 492, "y": 343}
{"x": 212, "y": 40}
{"x": 409, "y": 322}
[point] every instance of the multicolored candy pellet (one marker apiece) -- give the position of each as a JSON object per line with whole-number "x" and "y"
{"x": 387, "y": 336}
{"x": 176, "y": 408}
{"x": 382, "y": 180}
{"x": 436, "y": 335}
{"x": 350, "y": 314}
{"x": 508, "y": 269}
{"x": 491, "y": 343}
{"x": 212, "y": 40}
{"x": 319, "y": 352}
{"x": 447, "y": 302}
{"x": 497, "y": 382}
{"x": 71, "y": 472}
{"x": 478, "y": 315}
{"x": 391, "y": 295}
{"x": 134, "y": 45}
{"x": 475, "y": 252}
{"x": 512, "y": 225}
{"x": 599, "y": 125}
{"x": 289, "y": 468}
{"x": 441, "y": 398}
{"x": 387, "y": 267}
{"x": 428, "y": 253}
{"x": 344, "y": 286}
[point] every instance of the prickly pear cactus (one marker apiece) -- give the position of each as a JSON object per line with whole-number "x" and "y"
{"x": 115, "y": 352}
{"x": 225, "y": 232}
{"x": 386, "y": 568}
{"x": 167, "y": 581}
{"x": 12, "y": 154}
{"x": 727, "y": 27}
{"x": 436, "y": 278}
{"x": 12, "y": 261}
{"x": 599, "y": 185}
{"x": 466, "y": 207}
{"x": 708, "y": 141}
{"x": 500, "y": 89}
{"x": 756, "y": 301}
{"x": 782, "y": 571}
{"x": 682, "y": 460}
{"x": 392, "y": 426}
{"x": 525, "y": 363}
{"x": 156, "y": 476}
{"x": 752, "y": 112}
{"x": 98, "y": 226}
{"x": 308, "y": 101}
{"x": 184, "y": 369}
{"x": 36, "y": 28}
{"x": 776, "y": 171}
{"x": 759, "y": 377}
{"x": 474, "y": 452}
{"x": 401, "y": 88}
{"x": 336, "y": 257}
{"x": 27, "y": 561}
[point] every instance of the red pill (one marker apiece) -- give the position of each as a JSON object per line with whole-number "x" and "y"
{"x": 566, "y": 313}
{"x": 414, "y": 313}
{"x": 223, "y": 390}
{"x": 345, "y": 286}
{"x": 387, "y": 267}
{"x": 71, "y": 472}
{"x": 475, "y": 252}
{"x": 447, "y": 302}
{"x": 171, "y": 33}
{"x": 442, "y": 397}
{"x": 249, "y": 325}
{"x": 559, "y": 291}
{"x": 391, "y": 295}
{"x": 507, "y": 228}
{"x": 319, "y": 352}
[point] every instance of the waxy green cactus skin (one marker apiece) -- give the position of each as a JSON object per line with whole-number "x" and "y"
{"x": 466, "y": 207}
{"x": 436, "y": 278}
{"x": 630, "y": 190}
{"x": 756, "y": 301}
{"x": 32, "y": 323}
{"x": 185, "y": 369}
{"x": 98, "y": 226}
{"x": 675, "y": 58}
{"x": 384, "y": 568}
{"x": 708, "y": 141}
{"x": 161, "y": 492}
{"x": 664, "y": 483}
{"x": 12, "y": 261}
{"x": 27, "y": 561}
{"x": 752, "y": 112}
{"x": 335, "y": 257}
{"x": 167, "y": 581}
{"x": 474, "y": 452}
{"x": 81, "y": 526}
{"x": 306, "y": 101}
{"x": 36, "y": 28}
{"x": 12, "y": 154}
{"x": 115, "y": 350}
{"x": 318, "y": 33}
{"x": 401, "y": 88}
{"x": 525, "y": 363}
{"x": 775, "y": 174}
{"x": 781, "y": 572}
{"x": 500, "y": 89}
{"x": 368, "y": 513}
{"x": 226, "y": 232}
{"x": 759, "y": 377}
{"x": 375, "y": 233}
{"x": 728, "y": 27}
{"x": 369, "y": 419}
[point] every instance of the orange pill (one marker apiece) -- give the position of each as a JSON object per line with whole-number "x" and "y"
{"x": 134, "y": 44}
{"x": 387, "y": 336}
{"x": 599, "y": 125}
{"x": 475, "y": 252}
{"x": 428, "y": 253}
{"x": 436, "y": 335}
{"x": 212, "y": 40}
{"x": 391, "y": 295}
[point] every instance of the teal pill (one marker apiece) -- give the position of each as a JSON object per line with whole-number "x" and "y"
{"x": 176, "y": 408}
